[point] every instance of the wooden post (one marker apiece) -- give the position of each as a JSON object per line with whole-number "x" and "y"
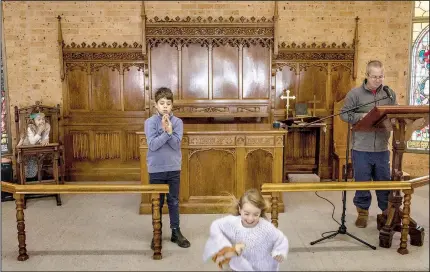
{"x": 275, "y": 209}
{"x": 355, "y": 44}
{"x": 156, "y": 223}
{"x": 143, "y": 15}
{"x": 405, "y": 222}
{"x": 275, "y": 30}
{"x": 60, "y": 47}
{"x": 20, "y": 224}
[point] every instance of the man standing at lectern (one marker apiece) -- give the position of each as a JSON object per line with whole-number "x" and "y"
{"x": 370, "y": 154}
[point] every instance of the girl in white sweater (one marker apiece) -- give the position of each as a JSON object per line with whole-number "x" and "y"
{"x": 257, "y": 245}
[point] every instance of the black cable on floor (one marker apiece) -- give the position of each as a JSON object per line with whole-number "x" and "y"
{"x": 332, "y": 214}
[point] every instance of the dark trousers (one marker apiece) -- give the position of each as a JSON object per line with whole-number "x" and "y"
{"x": 370, "y": 166}
{"x": 172, "y": 178}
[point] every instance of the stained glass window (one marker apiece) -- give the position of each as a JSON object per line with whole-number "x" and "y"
{"x": 420, "y": 64}
{"x": 4, "y": 126}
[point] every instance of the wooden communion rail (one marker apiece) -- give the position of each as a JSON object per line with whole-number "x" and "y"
{"x": 274, "y": 189}
{"x": 19, "y": 191}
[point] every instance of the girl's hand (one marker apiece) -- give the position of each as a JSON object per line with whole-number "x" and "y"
{"x": 279, "y": 258}
{"x": 40, "y": 129}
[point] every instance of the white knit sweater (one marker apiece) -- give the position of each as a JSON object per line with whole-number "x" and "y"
{"x": 262, "y": 243}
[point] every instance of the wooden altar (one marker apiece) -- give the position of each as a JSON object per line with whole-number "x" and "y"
{"x": 221, "y": 159}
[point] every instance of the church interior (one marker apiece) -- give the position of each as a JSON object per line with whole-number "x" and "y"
{"x": 258, "y": 86}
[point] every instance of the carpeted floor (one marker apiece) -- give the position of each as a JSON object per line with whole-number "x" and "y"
{"x": 105, "y": 233}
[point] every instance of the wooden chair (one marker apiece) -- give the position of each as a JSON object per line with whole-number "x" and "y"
{"x": 340, "y": 132}
{"x": 50, "y": 155}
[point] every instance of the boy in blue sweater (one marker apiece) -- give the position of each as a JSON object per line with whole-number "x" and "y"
{"x": 164, "y": 134}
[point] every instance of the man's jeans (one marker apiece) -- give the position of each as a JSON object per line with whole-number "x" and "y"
{"x": 172, "y": 178}
{"x": 370, "y": 166}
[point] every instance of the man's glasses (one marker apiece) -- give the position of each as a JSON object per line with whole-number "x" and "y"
{"x": 376, "y": 77}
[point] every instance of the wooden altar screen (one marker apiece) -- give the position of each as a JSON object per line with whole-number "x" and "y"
{"x": 324, "y": 71}
{"x": 219, "y": 71}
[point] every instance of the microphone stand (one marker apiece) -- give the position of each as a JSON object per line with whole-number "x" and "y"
{"x": 342, "y": 228}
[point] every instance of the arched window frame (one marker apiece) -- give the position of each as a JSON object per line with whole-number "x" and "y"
{"x": 420, "y": 16}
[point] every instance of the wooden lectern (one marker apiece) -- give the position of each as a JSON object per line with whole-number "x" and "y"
{"x": 401, "y": 120}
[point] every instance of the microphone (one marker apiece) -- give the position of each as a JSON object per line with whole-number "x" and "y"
{"x": 388, "y": 91}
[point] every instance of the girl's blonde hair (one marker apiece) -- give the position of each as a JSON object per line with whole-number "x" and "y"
{"x": 251, "y": 196}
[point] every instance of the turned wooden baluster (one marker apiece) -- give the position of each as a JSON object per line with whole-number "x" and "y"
{"x": 405, "y": 221}
{"x": 274, "y": 209}
{"x": 19, "y": 200}
{"x": 156, "y": 223}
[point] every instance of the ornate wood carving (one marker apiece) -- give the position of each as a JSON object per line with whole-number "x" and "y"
{"x": 103, "y": 51}
{"x": 216, "y": 32}
{"x": 211, "y": 140}
{"x": 140, "y": 66}
{"x": 336, "y": 65}
{"x": 231, "y": 151}
{"x": 80, "y": 146}
{"x": 290, "y": 65}
{"x": 107, "y": 145}
{"x": 132, "y": 146}
{"x": 309, "y": 56}
{"x": 76, "y": 65}
{"x": 240, "y": 140}
{"x": 200, "y": 109}
{"x": 250, "y": 150}
{"x": 322, "y": 66}
{"x": 260, "y": 140}
{"x": 97, "y": 66}
{"x": 212, "y": 108}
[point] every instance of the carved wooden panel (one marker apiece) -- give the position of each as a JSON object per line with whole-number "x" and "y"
{"x": 260, "y": 140}
{"x": 219, "y": 175}
{"x": 134, "y": 88}
{"x": 195, "y": 72}
{"x": 313, "y": 81}
{"x": 259, "y": 165}
{"x": 105, "y": 87}
{"x": 341, "y": 84}
{"x": 132, "y": 145}
{"x": 164, "y": 69}
{"x": 78, "y": 89}
{"x": 80, "y": 145}
{"x": 256, "y": 72}
{"x": 286, "y": 79}
{"x": 303, "y": 152}
{"x": 212, "y": 140}
{"x": 107, "y": 145}
{"x": 225, "y": 72}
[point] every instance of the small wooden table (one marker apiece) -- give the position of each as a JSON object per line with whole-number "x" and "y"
{"x": 222, "y": 159}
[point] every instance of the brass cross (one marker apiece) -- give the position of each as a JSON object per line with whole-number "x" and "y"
{"x": 287, "y": 97}
{"x": 314, "y": 102}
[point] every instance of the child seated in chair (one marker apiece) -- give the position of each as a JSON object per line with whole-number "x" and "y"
{"x": 37, "y": 134}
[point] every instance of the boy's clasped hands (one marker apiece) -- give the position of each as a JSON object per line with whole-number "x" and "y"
{"x": 167, "y": 125}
